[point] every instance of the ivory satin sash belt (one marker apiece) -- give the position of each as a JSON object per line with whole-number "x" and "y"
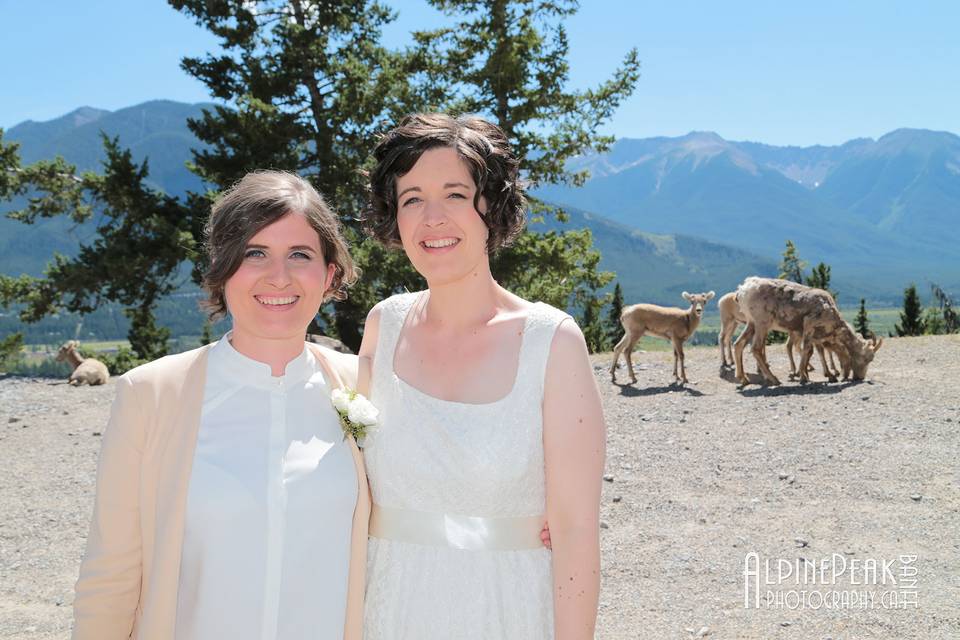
{"x": 456, "y": 531}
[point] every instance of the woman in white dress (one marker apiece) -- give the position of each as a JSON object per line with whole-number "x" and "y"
{"x": 490, "y": 421}
{"x": 228, "y": 502}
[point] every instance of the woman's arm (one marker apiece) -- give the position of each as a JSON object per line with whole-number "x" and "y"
{"x": 574, "y": 441}
{"x": 108, "y": 589}
{"x": 368, "y": 347}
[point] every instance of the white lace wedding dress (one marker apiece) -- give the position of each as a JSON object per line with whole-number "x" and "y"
{"x": 454, "y": 551}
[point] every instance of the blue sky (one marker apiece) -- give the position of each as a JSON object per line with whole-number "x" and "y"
{"x": 806, "y": 73}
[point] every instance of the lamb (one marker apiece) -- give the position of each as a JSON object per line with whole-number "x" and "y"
{"x": 85, "y": 370}
{"x": 794, "y": 343}
{"x": 731, "y": 317}
{"x": 788, "y": 306}
{"x": 669, "y": 323}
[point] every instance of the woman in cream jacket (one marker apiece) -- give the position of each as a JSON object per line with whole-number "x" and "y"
{"x": 228, "y": 502}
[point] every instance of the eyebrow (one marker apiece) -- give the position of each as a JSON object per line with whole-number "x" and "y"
{"x": 298, "y": 247}
{"x": 446, "y": 186}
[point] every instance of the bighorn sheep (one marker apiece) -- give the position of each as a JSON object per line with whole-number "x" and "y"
{"x": 731, "y": 317}
{"x": 85, "y": 370}
{"x": 669, "y": 323}
{"x": 787, "y": 306}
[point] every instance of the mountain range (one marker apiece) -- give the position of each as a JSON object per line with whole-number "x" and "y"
{"x": 668, "y": 214}
{"x": 881, "y": 212}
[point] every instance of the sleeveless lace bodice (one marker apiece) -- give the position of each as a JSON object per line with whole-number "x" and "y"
{"x": 481, "y": 460}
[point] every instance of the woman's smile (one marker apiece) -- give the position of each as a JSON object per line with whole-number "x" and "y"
{"x": 439, "y": 245}
{"x": 279, "y": 303}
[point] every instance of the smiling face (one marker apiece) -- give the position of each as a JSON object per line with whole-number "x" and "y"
{"x": 280, "y": 283}
{"x": 442, "y": 233}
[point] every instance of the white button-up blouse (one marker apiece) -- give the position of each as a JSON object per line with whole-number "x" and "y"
{"x": 266, "y": 546}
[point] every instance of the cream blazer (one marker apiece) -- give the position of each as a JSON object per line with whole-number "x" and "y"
{"x": 131, "y": 569}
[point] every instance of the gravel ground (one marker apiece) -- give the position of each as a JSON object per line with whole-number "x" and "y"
{"x": 698, "y": 477}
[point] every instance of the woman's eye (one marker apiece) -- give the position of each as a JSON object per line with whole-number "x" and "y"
{"x": 253, "y": 253}
{"x": 300, "y": 255}
{"x": 410, "y": 201}
{"x": 457, "y": 195}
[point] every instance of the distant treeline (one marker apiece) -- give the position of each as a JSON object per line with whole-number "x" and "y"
{"x": 180, "y": 312}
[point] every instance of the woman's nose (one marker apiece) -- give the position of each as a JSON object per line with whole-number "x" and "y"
{"x": 278, "y": 274}
{"x": 434, "y": 214}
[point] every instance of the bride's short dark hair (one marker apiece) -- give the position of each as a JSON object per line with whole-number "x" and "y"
{"x": 485, "y": 149}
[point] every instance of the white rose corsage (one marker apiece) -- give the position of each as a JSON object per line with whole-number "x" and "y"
{"x": 357, "y": 413}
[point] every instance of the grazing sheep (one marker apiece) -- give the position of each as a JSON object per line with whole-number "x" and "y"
{"x": 794, "y": 308}
{"x": 731, "y": 317}
{"x": 85, "y": 370}
{"x": 669, "y": 323}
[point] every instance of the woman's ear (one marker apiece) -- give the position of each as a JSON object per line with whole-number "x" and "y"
{"x": 332, "y": 270}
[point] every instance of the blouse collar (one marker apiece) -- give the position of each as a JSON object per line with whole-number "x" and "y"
{"x": 225, "y": 359}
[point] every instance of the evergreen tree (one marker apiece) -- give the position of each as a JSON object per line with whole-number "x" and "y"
{"x": 507, "y": 60}
{"x": 819, "y": 278}
{"x": 911, "y": 318}
{"x": 142, "y": 238}
{"x": 206, "y": 334}
{"x": 933, "y": 324}
{"x": 310, "y": 87}
{"x": 614, "y": 330}
{"x": 951, "y": 321}
{"x": 314, "y": 81}
{"x": 791, "y": 266}
{"x": 10, "y": 348}
{"x": 861, "y": 323}
{"x": 592, "y": 325}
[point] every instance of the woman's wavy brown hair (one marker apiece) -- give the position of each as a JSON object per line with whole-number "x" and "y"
{"x": 481, "y": 145}
{"x": 257, "y": 201}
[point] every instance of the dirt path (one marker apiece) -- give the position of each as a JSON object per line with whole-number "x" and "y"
{"x": 847, "y": 474}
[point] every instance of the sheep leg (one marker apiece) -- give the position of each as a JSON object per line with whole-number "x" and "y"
{"x": 759, "y": 341}
{"x": 678, "y": 355}
{"x": 809, "y": 329}
{"x": 726, "y": 350}
{"x": 629, "y": 355}
{"x": 739, "y": 346}
{"x": 617, "y": 350}
{"x": 833, "y": 366}
{"x": 730, "y": 346}
{"x": 805, "y": 360}
{"x": 722, "y": 341}
{"x": 791, "y": 342}
{"x": 726, "y": 344}
{"x": 828, "y": 373}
